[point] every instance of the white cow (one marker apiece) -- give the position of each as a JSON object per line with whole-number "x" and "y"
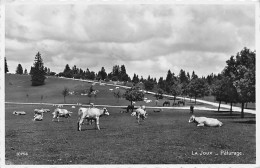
{"x": 140, "y": 113}
{"x": 90, "y": 114}
{"x": 39, "y": 111}
{"x": 19, "y": 112}
{"x": 204, "y": 121}
{"x": 61, "y": 113}
{"x": 38, "y": 117}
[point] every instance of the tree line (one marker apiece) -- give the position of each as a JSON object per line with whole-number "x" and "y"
{"x": 235, "y": 84}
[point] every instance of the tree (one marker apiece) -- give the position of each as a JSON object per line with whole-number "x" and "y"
{"x": 169, "y": 81}
{"x": 123, "y": 75}
{"x": 134, "y": 94}
{"x": 161, "y": 83}
{"x": 219, "y": 91}
{"x": 25, "y": 72}
{"x": 194, "y": 76}
{"x": 183, "y": 82}
{"x": 159, "y": 94}
{"x": 65, "y": 92}
{"x": 68, "y": 72}
{"x": 37, "y": 71}
{"x": 197, "y": 88}
{"x": 6, "y": 67}
{"x": 241, "y": 71}
{"x": 19, "y": 69}
{"x": 175, "y": 90}
{"x": 102, "y": 74}
{"x": 149, "y": 83}
{"x": 135, "y": 79}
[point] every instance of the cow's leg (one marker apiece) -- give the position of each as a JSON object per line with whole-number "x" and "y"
{"x": 97, "y": 123}
{"x": 138, "y": 117}
{"x": 80, "y": 123}
{"x": 200, "y": 125}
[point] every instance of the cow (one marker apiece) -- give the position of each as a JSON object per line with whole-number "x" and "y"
{"x": 130, "y": 107}
{"x": 38, "y": 117}
{"x": 140, "y": 113}
{"x": 204, "y": 121}
{"x": 166, "y": 103}
{"x": 181, "y": 102}
{"x": 90, "y": 114}
{"x": 19, "y": 113}
{"x": 61, "y": 113}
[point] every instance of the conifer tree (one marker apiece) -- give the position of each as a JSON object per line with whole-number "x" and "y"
{"x": 6, "y": 67}
{"x": 19, "y": 69}
{"x": 37, "y": 71}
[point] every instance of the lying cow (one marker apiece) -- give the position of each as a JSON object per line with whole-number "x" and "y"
{"x": 90, "y": 114}
{"x": 39, "y": 111}
{"x": 61, "y": 113}
{"x": 38, "y": 117}
{"x": 204, "y": 121}
{"x": 19, "y": 113}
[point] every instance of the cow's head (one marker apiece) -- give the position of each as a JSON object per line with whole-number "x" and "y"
{"x": 192, "y": 119}
{"x": 133, "y": 113}
{"x": 105, "y": 112}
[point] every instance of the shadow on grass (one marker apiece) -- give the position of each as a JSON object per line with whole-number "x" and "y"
{"x": 91, "y": 129}
{"x": 226, "y": 114}
{"x": 245, "y": 122}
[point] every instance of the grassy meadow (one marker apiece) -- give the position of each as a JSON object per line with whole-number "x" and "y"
{"x": 163, "y": 138}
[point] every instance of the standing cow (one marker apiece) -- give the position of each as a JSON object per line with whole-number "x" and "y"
{"x": 90, "y": 114}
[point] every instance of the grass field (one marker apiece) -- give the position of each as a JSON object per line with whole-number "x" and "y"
{"x": 163, "y": 138}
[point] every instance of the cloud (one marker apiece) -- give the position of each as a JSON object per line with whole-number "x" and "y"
{"x": 150, "y": 39}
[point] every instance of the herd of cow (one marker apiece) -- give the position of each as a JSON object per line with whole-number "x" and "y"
{"x": 92, "y": 114}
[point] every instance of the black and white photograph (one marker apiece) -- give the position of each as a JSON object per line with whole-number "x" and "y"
{"x": 157, "y": 84}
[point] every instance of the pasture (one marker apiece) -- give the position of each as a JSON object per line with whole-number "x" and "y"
{"x": 163, "y": 138}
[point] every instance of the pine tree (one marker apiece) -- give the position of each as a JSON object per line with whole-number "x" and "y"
{"x": 19, "y": 69}
{"x": 6, "y": 67}
{"x": 25, "y": 72}
{"x": 37, "y": 71}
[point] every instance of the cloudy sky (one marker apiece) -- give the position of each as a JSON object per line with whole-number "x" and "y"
{"x": 147, "y": 39}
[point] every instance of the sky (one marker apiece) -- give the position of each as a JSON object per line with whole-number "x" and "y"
{"x": 148, "y": 39}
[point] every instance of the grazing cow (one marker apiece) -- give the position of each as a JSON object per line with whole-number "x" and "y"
{"x": 90, "y": 114}
{"x": 175, "y": 104}
{"x": 181, "y": 102}
{"x": 19, "y": 113}
{"x": 204, "y": 121}
{"x": 61, "y": 113}
{"x": 166, "y": 103}
{"x": 140, "y": 113}
{"x": 130, "y": 107}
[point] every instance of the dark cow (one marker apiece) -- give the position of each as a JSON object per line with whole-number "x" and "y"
{"x": 181, "y": 102}
{"x": 166, "y": 103}
{"x": 130, "y": 107}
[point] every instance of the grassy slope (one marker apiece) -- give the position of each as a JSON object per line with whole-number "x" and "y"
{"x": 163, "y": 138}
